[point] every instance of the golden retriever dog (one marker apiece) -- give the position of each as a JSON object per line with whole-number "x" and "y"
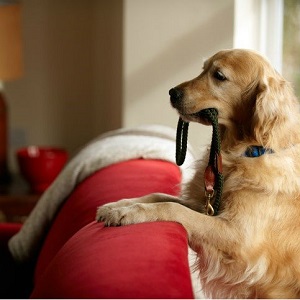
{"x": 251, "y": 248}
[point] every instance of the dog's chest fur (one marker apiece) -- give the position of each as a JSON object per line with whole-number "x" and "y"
{"x": 261, "y": 201}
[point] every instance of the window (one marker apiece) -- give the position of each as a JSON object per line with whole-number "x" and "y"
{"x": 271, "y": 27}
{"x": 258, "y": 25}
{"x": 291, "y": 44}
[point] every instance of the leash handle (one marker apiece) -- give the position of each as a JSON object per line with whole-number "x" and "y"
{"x": 181, "y": 141}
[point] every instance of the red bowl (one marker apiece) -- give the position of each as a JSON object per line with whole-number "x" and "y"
{"x": 41, "y": 165}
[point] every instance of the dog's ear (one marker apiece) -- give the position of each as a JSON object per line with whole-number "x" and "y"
{"x": 274, "y": 104}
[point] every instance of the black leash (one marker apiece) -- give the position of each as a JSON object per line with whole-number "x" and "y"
{"x": 213, "y": 176}
{"x": 181, "y": 141}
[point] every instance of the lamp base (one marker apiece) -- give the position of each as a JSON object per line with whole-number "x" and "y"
{"x": 4, "y": 173}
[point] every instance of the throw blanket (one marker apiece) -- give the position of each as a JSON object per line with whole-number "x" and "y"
{"x": 148, "y": 142}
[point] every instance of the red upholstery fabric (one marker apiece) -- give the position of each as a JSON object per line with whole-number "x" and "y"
{"x": 146, "y": 260}
{"x": 139, "y": 261}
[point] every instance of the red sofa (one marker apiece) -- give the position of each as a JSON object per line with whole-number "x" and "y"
{"x": 81, "y": 258}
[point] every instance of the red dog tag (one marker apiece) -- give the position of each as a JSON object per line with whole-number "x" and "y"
{"x": 209, "y": 179}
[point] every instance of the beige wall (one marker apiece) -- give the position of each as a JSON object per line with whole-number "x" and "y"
{"x": 165, "y": 42}
{"x": 92, "y": 66}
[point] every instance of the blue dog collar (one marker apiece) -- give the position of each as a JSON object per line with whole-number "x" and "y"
{"x": 256, "y": 151}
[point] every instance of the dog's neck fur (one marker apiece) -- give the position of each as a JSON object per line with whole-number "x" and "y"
{"x": 235, "y": 139}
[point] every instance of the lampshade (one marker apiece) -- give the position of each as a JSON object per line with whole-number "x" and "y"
{"x": 11, "y": 66}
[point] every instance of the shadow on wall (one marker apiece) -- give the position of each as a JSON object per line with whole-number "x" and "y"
{"x": 65, "y": 97}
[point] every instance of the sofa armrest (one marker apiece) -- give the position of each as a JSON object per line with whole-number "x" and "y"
{"x": 146, "y": 260}
{"x": 81, "y": 258}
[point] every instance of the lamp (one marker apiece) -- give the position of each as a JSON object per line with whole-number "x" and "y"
{"x": 11, "y": 67}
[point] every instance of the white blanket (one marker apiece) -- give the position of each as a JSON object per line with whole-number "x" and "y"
{"x": 148, "y": 142}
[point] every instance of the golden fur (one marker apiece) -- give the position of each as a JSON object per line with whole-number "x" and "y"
{"x": 251, "y": 249}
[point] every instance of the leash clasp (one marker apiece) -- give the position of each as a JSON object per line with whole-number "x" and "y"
{"x": 209, "y": 182}
{"x": 209, "y": 208}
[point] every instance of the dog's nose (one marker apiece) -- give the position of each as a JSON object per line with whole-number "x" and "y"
{"x": 175, "y": 95}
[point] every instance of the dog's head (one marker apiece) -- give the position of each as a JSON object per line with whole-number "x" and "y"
{"x": 254, "y": 102}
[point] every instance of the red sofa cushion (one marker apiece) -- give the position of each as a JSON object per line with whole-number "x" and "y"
{"x": 146, "y": 260}
{"x": 143, "y": 260}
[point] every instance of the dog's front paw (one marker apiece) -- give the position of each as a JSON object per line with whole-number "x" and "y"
{"x": 114, "y": 215}
{"x": 108, "y": 214}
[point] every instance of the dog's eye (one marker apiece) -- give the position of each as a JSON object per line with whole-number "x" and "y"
{"x": 219, "y": 75}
